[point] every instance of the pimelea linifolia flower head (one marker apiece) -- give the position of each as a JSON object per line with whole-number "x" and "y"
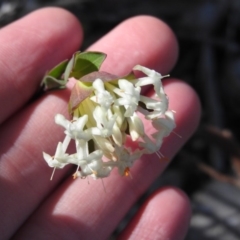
{"x": 106, "y": 117}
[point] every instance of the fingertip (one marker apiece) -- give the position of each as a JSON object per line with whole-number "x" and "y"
{"x": 177, "y": 214}
{"x": 60, "y": 21}
{"x": 41, "y": 39}
{"x": 31, "y": 46}
{"x": 148, "y": 41}
{"x": 173, "y": 195}
{"x": 165, "y": 215}
{"x": 164, "y": 39}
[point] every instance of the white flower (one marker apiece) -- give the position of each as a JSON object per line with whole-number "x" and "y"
{"x": 94, "y": 166}
{"x": 102, "y": 97}
{"x": 105, "y": 145}
{"x": 104, "y": 122}
{"x": 153, "y": 77}
{"x": 116, "y": 110}
{"x": 117, "y": 135}
{"x": 96, "y": 169}
{"x": 148, "y": 145}
{"x": 59, "y": 160}
{"x": 130, "y": 96}
{"x": 136, "y": 127}
{"x": 159, "y": 106}
{"x": 165, "y": 125}
{"x": 74, "y": 129}
{"x": 82, "y": 149}
{"x": 125, "y": 158}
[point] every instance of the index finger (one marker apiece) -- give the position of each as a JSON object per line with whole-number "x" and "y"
{"x": 125, "y": 48}
{"x": 28, "y": 48}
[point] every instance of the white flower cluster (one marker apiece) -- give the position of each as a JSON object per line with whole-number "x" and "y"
{"x": 106, "y": 119}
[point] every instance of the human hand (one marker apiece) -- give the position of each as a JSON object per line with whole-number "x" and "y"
{"x": 31, "y": 206}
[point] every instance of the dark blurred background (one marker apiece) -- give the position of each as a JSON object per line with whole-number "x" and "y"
{"x": 208, "y": 31}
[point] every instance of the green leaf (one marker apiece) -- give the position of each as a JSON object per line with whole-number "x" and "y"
{"x": 80, "y": 64}
{"x": 53, "y": 79}
{"x": 69, "y": 67}
{"x": 51, "y": 83}
{"x": 86, "y": 62}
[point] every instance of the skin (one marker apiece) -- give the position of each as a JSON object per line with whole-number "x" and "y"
{"x": 31, "y": 206}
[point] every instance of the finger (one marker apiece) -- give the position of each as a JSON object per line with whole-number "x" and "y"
{"x": 38, "y": 41}
{"x": 80, "y": 206}
{"x": 165, "y": 215}
{"x": 28, "y": 48}
{"x": 24, "y": 176}
{"x": 151, "y": 44}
